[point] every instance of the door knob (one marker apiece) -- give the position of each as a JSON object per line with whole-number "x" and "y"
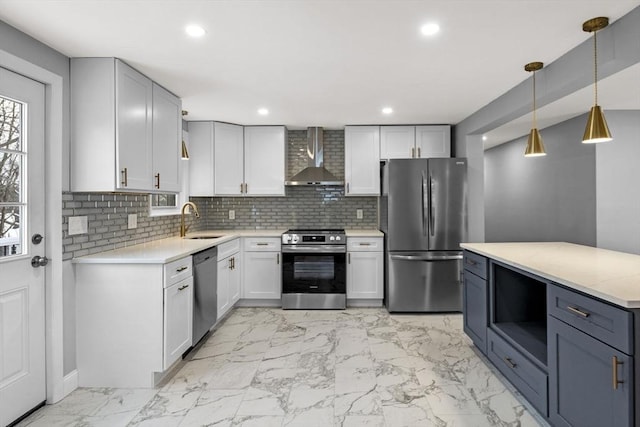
{"x": 39, "y": 261}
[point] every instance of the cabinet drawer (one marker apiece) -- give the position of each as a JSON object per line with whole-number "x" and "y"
{"x": 528, "y": 378}
{"x": 176, "y": 271}
{"x": 609, "y": 324}
{"x": 365, "y": 244}
{"x": 475, "y": 263}
{"x": 228, "y": 248}
{"x": 257, "y": 244}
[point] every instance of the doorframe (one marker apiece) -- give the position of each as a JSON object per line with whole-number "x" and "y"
{"x": 54, "y": 147}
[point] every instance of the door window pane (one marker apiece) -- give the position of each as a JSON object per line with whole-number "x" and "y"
{"x": 12, "y": 162}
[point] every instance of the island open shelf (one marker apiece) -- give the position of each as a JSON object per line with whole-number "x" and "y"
{"x": 519, "y": 309}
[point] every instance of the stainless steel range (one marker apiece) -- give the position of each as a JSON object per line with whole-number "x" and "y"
{"x": 314, "y": 269}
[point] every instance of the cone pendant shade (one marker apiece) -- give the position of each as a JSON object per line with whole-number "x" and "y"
{"x": 535, "y": 146}
{"x": 185, "y": 153}
{"x": 597, "y": 129}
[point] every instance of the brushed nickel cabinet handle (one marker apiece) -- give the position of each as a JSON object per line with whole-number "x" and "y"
{"x": 365, "y": 244}
{"x": 262, "y": 244}
{"x": 615, "y": 362}
{"x": 347, "y": 187}
{"x": 578, "y": 311}
{"x": 181, "y": 269}
{"x": 124, "y": 177}
{"x": 246, "y": 188}
{"x": 471, "y": 262}
{"x": 349, "y": 258}
{"x": 413, "y": 152}
{"x": 158, "y": 180}
{"x": 183, "y": 287}
{"x": 278, "y": 259}
{"x": 510, "y": 362}
{"x": 419, "y": 155}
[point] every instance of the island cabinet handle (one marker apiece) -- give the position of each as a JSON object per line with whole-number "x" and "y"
{"x": 510, "y": 362}
{"x": 262, "y": 244}
{"x": 365, "y": 244}
{"x": 615, "y": 362}
{"x": 578, "y": 311}
{"x": 182, "y": 288}
{"x": 471, "y": 262}
{"x": 181, "y": 269}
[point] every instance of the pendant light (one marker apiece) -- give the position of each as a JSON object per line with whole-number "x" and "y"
{"x": 535, "y": 146}
{"x": 597, "y": 129}
{"x": 185, "y": 152}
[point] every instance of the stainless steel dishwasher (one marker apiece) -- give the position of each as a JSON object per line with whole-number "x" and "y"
{"x": 205, "y": 300}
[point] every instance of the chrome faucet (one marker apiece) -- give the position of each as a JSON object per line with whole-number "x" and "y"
{"x": 183, "y": 228}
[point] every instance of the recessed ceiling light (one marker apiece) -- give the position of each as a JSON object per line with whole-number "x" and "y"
{"x": 484, "y": 137}
{"x": 194, "y": 30}
{"x": 430, "y": 29}
{"x": 263, "y": 111}
{"x": 387, "y": 110}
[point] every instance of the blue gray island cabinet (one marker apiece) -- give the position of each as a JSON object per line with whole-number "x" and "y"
{"x": 561, "y": 322}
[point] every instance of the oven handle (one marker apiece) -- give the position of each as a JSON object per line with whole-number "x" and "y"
{"x": 426, "y": 257}
{"x": 315, "y": 249}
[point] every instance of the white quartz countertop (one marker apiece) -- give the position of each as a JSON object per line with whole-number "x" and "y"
{"x": 166, "y": 250}
{"x": 364, "y": 233}
{"x": 608, "y": 275}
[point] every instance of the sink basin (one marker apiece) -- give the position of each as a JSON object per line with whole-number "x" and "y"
{"x": 203, "y": 237}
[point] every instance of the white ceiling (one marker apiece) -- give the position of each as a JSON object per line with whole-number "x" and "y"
{"x": 326, "y": 63}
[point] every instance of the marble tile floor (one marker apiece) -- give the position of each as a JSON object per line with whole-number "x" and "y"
{"x": 359, "y": 367}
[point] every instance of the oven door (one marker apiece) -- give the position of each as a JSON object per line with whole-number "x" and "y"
{"x": 314, "y": 269}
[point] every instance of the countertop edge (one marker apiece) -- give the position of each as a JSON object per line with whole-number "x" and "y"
{"x": 629, "y": 304}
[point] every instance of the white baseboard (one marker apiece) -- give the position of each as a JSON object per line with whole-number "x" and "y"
{"x": 70, "y": 382}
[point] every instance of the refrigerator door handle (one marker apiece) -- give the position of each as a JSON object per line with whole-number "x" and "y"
{"x": 426, "y": 257}
{"x": 424, "y": 206}
{"x": 431, "y": 216}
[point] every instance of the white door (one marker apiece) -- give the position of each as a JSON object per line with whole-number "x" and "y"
{"x": 167, "y": 138}
{"x": 22, "y": 339}
{"x": 433, "y": 141}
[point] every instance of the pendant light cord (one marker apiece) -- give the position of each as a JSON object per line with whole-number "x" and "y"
{"x": 595, "y": 66}
{"x": 535, "y": 125}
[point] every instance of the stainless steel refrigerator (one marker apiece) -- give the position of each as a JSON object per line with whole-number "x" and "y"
{"x": 424, "y": 217}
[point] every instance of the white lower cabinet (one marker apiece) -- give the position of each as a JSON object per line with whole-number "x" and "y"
{"x": 178, "y": 320}
{"x": 262, "y": 271}
{"x": 365, "y": 268}
{"x": 133, "y": 321}
{"x": 228, "y": 276}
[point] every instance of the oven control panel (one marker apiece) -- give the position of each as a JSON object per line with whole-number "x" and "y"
{"x": 324, "y": 238}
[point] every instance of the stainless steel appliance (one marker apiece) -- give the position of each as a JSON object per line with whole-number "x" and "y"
{"x": 314, "y": 269}
{"x": 205, "y": 300}
{"x": 424, "y": 217}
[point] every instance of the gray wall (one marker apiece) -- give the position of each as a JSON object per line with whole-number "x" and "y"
{"x": 550, "y": 198}
{"x": 618, "y": 184}
{"x": 617, "y": 50}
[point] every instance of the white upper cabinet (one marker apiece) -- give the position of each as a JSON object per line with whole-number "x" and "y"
{"x": 167, "y": 133}
{"x": 228, "y": 156}
{"x": 415, "y": 142}
{"x": 433, "y": 141}
{"x": 264, "y": 152}
{"x": 134, "y": 103}
{"x": 201, "y": 159}
{"x": 397, "y": 142}
{"x": 362, "y": 160}
{"x": 229, "y": 160}
{"x": 112, "y": 129}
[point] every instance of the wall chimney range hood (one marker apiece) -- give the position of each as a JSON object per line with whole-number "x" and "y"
{"x": 315, "y": 173}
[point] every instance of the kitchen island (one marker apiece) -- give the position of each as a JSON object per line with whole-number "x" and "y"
{"x": 560, "y": 321}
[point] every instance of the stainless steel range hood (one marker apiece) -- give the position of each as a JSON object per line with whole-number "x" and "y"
{"x": 315, "y": 173}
